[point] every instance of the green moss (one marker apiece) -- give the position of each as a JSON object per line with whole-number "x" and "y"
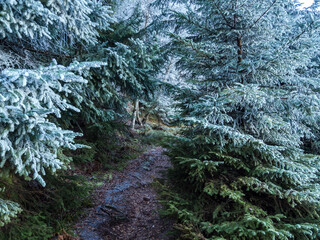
{"x": 159, "y": 135}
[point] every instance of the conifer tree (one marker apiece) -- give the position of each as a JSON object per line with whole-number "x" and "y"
{"x": 250, "y": 106}
{"x": 32, "y": 99}
{"x": 39, "y": 101}
{"x": 29, "y": 141}
{"x": 132, "y": 64}
{"x": 53, "y": 25}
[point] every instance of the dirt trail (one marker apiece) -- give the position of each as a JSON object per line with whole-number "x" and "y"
{"x": 126, "y": 207}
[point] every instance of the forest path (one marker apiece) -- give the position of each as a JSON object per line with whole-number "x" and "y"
{"x": 126, "y": 207}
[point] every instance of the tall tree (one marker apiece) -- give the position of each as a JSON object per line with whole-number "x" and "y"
{"x": 250, "y": 106}
{"x": 32, "y": 33}
{"x": 39, "y": 100}
{"x": 132, "y": 64}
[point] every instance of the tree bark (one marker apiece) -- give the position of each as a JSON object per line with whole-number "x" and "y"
{"x": 135, "y": 115}
{"x": 240, "y": 54}
{"x": 240, "y": 51}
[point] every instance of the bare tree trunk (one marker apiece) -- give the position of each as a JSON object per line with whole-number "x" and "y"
{"x": 135, "y": 115}
{"x": 138, "y": 114}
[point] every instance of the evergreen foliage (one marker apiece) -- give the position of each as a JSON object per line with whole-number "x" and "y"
{"x": 29, "y": 141}
{"x": 38, "y": 103}
{"x": 53, "y": 24}
{"x": 250, "y": 106}
{"x": 111, "y": 145}
{"x": 129, "y": 73}
{"x": 246, "y": 80}
{"x": 46, "y": 210}
{"x": 8, "y": 210}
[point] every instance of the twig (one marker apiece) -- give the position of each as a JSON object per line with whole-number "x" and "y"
{"x": 264, "y": 13}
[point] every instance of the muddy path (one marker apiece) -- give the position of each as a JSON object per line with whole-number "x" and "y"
{"x": 127, "y": 206}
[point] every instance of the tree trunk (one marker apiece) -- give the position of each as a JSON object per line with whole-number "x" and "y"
{"x": 240, "y": 54}
{"x": 135, "y": 115}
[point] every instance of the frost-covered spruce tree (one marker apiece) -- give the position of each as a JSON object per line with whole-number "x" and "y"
{"x": 37, "y": 102}
{"x": 55, "y": 33}
{"x": 250, "y": 106}
{"x": 130, "y": 70}
{"x": 29, "y": 141}
{"x": 32, "y": 98}
{"x": 53, "y": 25}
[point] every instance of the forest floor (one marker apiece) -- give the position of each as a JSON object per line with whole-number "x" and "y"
{"x": 126, "y": 206}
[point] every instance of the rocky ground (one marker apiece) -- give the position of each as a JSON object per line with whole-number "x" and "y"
{"x": 127, "y": 205}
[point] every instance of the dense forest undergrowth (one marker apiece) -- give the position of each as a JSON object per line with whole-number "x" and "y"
{"x": 229, "y": 88}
